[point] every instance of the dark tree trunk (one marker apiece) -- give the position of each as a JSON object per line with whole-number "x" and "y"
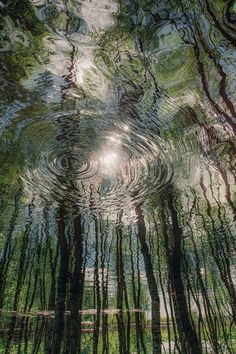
{"x": 152, "y": 283}
{"x": 61, "y": 285}
{"x": 77, "y": 288}
{"x": 187, "y": 334}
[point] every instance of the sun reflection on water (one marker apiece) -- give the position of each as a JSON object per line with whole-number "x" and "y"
{"x": 108, "y": 162}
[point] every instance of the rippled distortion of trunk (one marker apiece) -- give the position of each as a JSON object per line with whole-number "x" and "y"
{"x": 117, "y": 180}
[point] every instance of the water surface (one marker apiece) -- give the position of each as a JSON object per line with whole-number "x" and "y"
{"x": 118, "y": 198}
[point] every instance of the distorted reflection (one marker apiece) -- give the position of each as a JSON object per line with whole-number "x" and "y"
{"x": 108, "y": 162}
{"x": 117, "y": 181}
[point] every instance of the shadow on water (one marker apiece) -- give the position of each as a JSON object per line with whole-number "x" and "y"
{"x": 117, "y": 152}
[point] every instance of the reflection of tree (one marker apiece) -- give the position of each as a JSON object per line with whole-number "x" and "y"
{"x": 152, "y": 283}
{"x": 8, "y": 249}
{"x": 136, "y": 290}
{"x": 77, "y": 286}
{"x": 62, "y": 282}
{"x": 122, "y": 296}
{"x": 187, "y": 335}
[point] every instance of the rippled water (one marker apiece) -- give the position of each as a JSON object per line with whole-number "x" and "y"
{"x": 118, "y": 208}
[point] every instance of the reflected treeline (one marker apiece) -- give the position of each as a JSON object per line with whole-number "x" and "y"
{"x": 117, "y": 227}
{"x": 77, "y": 284}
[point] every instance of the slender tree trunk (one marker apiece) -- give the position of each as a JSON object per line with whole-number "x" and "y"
{"x": 77, "y": 288}
{"x": 152, "y": 283}
{"x": 61, "y": 285}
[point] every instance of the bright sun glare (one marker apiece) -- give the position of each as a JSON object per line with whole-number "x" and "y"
{"x": 108, "y": 162}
